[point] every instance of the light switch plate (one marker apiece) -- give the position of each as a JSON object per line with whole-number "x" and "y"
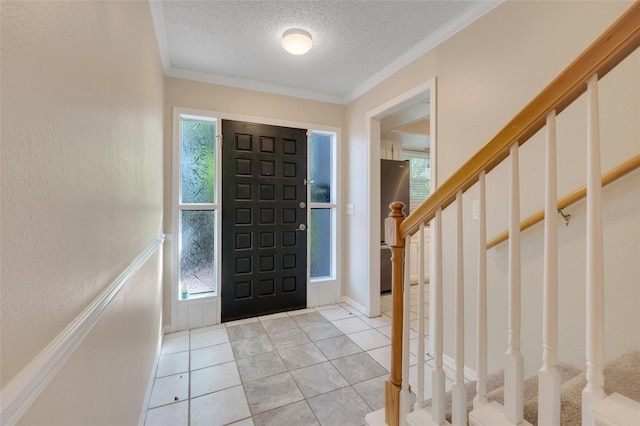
{"x": 349, "y": 209}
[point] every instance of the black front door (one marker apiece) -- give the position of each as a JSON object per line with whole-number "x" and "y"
{"x": 264, "y": 218}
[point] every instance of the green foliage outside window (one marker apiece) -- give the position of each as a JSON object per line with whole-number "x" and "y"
{"x": 197, "y": 184}
{"x": 420, "y": 176}
{"x": 198, "y": 162}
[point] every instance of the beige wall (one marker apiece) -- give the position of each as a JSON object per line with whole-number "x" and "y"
{"x": 231, "y": 100}
{"x": 82, "y": 99}
{"x": 485, "y": 74}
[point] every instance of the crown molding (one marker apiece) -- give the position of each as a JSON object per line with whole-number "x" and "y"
{"x": 157, "y": 16}
{"x": 475, "y": 12}
{"x": 471, "y": 15}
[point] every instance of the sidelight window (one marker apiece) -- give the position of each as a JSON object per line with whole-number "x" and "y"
{"x": 197, "y": 206}
{"x": 322, "y": 220}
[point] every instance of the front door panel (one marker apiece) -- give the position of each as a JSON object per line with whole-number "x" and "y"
{"x": 264, "y": 217}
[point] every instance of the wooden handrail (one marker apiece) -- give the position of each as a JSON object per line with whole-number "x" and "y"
{"x": 613, "y": 46}
{"x": 611, "y": 176}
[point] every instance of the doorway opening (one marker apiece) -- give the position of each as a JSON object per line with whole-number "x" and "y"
{"x": 414, "y": 109}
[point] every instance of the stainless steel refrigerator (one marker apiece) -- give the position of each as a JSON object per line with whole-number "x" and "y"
{"x": 394, "y": 186}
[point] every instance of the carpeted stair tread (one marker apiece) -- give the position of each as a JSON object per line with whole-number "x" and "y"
{"x": 622, "y": 375}
{"x": 495, "y": 387}
{"x": 566, "y": 371}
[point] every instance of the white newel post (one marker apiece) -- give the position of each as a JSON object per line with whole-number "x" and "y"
{"x": 421, "y": 313}
{"x": 481, "y": 385}
{"x": 459, "y": 392}
{"x": 514, "y": 364}
{"x": 594, "y": 391}
{"x": 405, "y": 399}
{"x": 548, "y": 376}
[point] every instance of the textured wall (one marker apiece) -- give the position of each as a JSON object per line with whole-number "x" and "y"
{"x": 485, "y": 74}
{"x": 82, "y": 97}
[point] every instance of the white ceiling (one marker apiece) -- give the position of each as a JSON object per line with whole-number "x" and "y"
{"x": 356, "y": 43}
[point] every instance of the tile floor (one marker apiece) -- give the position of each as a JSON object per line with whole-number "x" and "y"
{"x": 324, "y": 366}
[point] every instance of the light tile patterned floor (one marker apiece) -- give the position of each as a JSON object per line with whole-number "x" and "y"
{"x": 324, "y": 366}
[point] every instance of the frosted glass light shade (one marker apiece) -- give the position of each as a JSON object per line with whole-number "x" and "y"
{"x": 297, "y": 41}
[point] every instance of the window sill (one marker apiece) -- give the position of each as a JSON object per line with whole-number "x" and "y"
{"x": 199, "y": 297}
{"x": 320, "y": 280}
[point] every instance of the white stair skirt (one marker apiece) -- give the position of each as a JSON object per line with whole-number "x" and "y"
{"x": 375, "y": 419}
{"x": 491, "y": 414}
{"x": 422, "y": 417}
{"x": 616, "y": 410}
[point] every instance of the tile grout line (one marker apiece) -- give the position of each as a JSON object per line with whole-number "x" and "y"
{"x": 349, "y": 385}
{"x": 314, "y": 342}
{"x": 242, "y": 382}
{"x": 189, "y": 383}
{"x": 289, "y": 370}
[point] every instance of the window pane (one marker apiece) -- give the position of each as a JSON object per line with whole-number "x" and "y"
{"x": 420, "y": 176}
{"x": 198, "y": 161}
{"x": 197, "y": 253}
{"x": 320, "y": 234}
{"x": 320, "y": 168}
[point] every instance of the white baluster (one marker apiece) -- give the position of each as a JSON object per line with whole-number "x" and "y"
{"x": 514, "y": 363}
{"x": 594, "y": 391}
{"x": 548, "y": 376}
{"x": 421, "y": 314}
{"x": 481, "y": 385}
{"x": 459, "y": 391}
{"x": 405, "y": 399}
{"x": 438, "y": 377}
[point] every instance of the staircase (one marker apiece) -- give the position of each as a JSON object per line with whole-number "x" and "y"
{"x": 623, "y": 377}
{"x": 558, "y": 394}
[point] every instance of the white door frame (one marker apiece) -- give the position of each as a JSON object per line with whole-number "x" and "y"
{"x": 373, "y": 136}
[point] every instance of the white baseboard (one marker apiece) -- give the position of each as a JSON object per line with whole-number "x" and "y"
{"x": 413, "y": 279}
{"x": 354, "y": 304}
{"x": 450, "y": 363}
{"x": 152, "y": 378}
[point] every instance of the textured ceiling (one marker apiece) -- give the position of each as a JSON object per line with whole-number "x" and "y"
{"x": 356, "y": 43}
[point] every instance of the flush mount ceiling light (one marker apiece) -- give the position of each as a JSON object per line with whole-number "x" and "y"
{"x": 297, "y": 41}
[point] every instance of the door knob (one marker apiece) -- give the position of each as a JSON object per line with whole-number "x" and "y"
{"x": 302, "y": 204}
{"x": 301, "y": 227}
